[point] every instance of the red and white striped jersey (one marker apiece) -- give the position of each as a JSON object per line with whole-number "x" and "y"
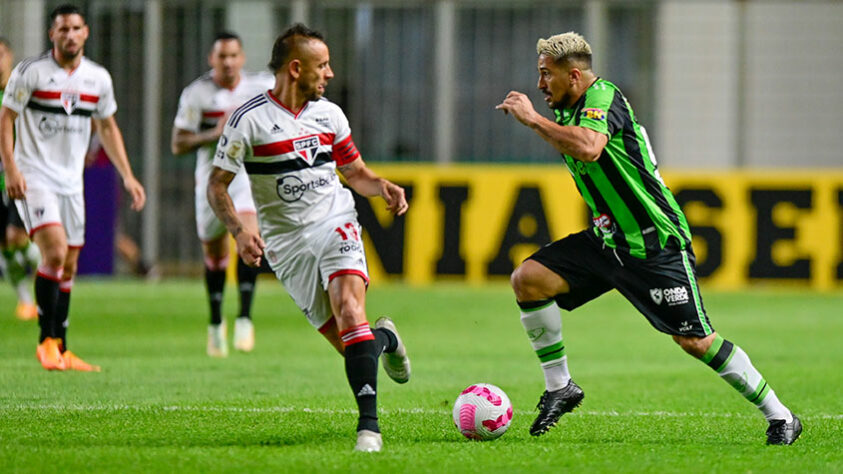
{"x": 203, "y": 102}
{"x": 53, "y": 127}
{"x": 291, "y": 160}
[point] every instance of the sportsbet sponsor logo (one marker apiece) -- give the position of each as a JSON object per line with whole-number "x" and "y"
{"x": 671, "y": 296}
{"x": 292, "y": 188}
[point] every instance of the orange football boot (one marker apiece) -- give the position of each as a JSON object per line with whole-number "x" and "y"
{"x": 26, "y": 311}
{"x": 73, "y": 362}
{"x": 49, "y": 356}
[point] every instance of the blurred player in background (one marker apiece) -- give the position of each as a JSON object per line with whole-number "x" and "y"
{"x": 291, "y": 141}
{"x": 203, "y": 109}
{"x": 18, "y": 257}
{"x": 639, "y": 243}
{"x": 55, "y": 98}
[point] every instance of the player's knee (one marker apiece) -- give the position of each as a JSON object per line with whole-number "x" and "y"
{"x": 54, "y": 257}
{"x": 16, "y": 237}
{"x": 695, "y": 346}
{"x": 69, "y": 270}
{"x": 351, "y": 311}
{"x": 524, "y": 283}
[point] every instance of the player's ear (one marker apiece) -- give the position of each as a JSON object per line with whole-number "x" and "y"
{"x": 575, "y": 74}
{"x": 294, "y": 67}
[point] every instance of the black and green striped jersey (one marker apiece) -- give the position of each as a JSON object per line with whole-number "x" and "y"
{"x": 632, "y": 209}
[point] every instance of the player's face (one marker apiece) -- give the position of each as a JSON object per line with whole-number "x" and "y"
{"x": 554, "y": 81}
{"x": 227, "y": 60}
{"x": 68, "y": 35}
{"x": 315, "y": 70}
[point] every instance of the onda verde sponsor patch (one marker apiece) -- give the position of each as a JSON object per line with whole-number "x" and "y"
{"x": 594, "y": 114}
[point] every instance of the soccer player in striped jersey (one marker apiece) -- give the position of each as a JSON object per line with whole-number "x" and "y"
{"x": 17, "y": 254}
{"x": 291, "y": 141}
{"x": 203, "y": 109}
{"x": 639, "y": 242}
{"x": 55, "y": 98}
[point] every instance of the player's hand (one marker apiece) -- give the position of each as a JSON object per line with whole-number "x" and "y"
{"x": 250, "y": 247}
{"x": 393, "y": 194}
{"x": 15, "y": 184}
{"x": 519, "y": 106}
{"x": 135, "y": 189}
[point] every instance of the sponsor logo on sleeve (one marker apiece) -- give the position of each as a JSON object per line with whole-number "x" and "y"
{"x": 236, "y": 150}
{"x": 593, "y": 114}
{"x": 20, "y": 95}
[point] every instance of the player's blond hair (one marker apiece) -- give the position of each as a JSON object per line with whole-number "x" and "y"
{"x": 565, "y": 46}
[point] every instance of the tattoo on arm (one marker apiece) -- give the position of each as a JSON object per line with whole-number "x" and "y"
{"x": 221, "y": 201}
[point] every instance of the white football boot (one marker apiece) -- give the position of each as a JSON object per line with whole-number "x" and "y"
{"x": 217, "y": 340}
{"x": 244, "y": 334}
{"x": 368, "y": 441}
{"x": 396, "y": 364}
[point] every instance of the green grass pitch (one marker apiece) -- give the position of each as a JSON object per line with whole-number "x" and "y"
{"x": 161, "y": 405}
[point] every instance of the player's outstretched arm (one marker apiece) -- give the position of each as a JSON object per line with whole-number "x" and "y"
{"x": 15, "y": 184}
{"x": 366, "y": 182}
{"x": 249, "y": 246}
{"x": 581, "y": 143}
{"x": 112, "y": 141}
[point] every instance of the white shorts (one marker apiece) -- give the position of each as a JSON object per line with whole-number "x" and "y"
{"x": 308, "y": 259}
{"x": 208, "y": 227}
{"x": 43, "y": 208}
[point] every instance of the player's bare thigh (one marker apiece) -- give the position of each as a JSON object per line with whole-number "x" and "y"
{"x": 217, "y": 249}
{"x": 533, "y": 281}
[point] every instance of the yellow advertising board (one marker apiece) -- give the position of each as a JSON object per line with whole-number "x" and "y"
{"x": 475, "y": 223}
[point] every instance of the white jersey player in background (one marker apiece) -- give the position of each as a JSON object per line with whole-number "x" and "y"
{"x": 52, "y": 100}
{"x": 291, "y": 141}
{"x": 203, "y": 109}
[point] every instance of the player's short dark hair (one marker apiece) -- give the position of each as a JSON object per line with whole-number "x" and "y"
{"x": 5, "y": 42}
{"x": 65, "y": 9}
{"x": 226, "y": 35}
{"x": 287, "y": 41}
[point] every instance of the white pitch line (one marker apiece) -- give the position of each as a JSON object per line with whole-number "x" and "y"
{"x": 400, "y": 411}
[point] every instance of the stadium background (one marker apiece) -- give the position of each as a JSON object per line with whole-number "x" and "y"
{"x": 741, "y": 100}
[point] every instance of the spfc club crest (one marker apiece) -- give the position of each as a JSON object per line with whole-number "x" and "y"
{"x": 69, "y": 101}
{"x": 306, "y": 147}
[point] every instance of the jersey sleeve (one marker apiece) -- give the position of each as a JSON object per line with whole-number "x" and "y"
{"x": 595, "y": 112}
{"x": 343, "y": 150}
{"x": 233, "y": 147}
{"x": 106, "y": 105}
{"x": 189, "y": 114}
{"x": 18, "y": 90}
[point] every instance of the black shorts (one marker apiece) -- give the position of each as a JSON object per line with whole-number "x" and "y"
{"x": 8, "y": 215}
{"x": 663, "y": 288}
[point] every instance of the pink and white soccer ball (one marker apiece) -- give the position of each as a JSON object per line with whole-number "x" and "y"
{"x": 482, "y": 412}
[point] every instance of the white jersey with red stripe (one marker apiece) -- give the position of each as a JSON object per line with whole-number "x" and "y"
{"x": 53, "y": 127}
{"x": 291, "y": 160}
{"x": 204, "y": 102}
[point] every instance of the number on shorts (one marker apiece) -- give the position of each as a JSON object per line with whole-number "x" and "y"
{"x": 351, "y": 228}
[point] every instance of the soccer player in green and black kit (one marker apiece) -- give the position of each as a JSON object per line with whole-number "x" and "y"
{"x": 18, "y": 257}
{"x": 639, "y": 243}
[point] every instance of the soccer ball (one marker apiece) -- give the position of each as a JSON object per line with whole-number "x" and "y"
{"x": 482, "y": 412}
